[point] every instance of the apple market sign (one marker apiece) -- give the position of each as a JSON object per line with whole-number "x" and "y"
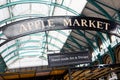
{"x": 40, "y": 24}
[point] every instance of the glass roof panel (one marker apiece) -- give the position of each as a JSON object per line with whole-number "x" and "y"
{"x": 34, "y": 45}
{"x": 34, "y": 48}
{"x": 21, "y": 9}
{"x": 2, "y": 2}
{"x": 4, "y": 14}
{"x": 75, "y": 5}
{"x": 39, "y": 9}
{"x": 28, "y": 62}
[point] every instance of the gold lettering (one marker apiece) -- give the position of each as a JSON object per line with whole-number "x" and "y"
{"x": 99, "y": 25}
{"x": 91, "y": 23}
{"x": 76, "y": 23}
{"x": 106, "y": 26}
{"x": 50, "y": 23}
{"x": 84, "y": 22}
{"x": 67, "y": 22}
{"x": 22, "y": 28}
{"x": 30, "y": 25}
{"x": 39, "y": 23}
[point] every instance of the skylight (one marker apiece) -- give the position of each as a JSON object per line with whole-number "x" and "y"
{"x": 34, "y": 48}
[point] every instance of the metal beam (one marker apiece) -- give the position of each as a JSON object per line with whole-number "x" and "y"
{"x": 68, "y": 46}
{"x": 3, "y": 65}
{"x": 94, "y": 3}
{"x": 20, "y": 50}
{"x": 106, "y": 5}
{"x": 20, "y": 16}
{"x": 73, "y": 40}
{"x": 94, "y": 11}
{"x": 28, "y": 41}
{"x": 72, "y": 45}
{"x": 100, "y": 8}
{"x": 89, "y": 42}
{"x": 110, "y": 50}
{"x": 79, "y": 39}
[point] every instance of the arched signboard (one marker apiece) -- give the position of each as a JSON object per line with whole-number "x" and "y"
{"x": 34, "y": 25}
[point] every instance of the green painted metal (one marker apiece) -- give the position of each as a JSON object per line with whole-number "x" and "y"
{"x": 65, "y": 42}
{"x": 52, "y": 9}
{"x": 94, "y": 40}
{"x": 40, "y": 2}
{"x": 110, "y": 18}
{"x": 64, "y": 7}
{"x": 23, "y": 48}
{"x": 28, "y": 41}
{"x": 28, "y": 52}
{"x": 63, "y": 33}
{"x": 90, "y": 33}
{"x": 71, "y": 45}
{"x": 100, "y": 8}
{"x": 3, "y": 65}
{"x": 20, "y": 49}
{"x": 45, "y": 42}
{"x": 118, "y": 16}
{"x": 51, "y": 12}
{"x": 14, "y": 45}
{"x": 12, "y": 58}
{"x": 19, "y": 55}
{"x": 107, "y": 6}
{"x": 30, "y": 47}
{"x": 10, "y": 9}
{"x": 56, "y": 39}
{"x": 103, "y": 39}
{"x": 16, "y": 17}
{"x": 80, "y": 39}
{"x": 1, "y": 34}
{"x": 97, "y": 43}
{"x": 16, "y": 57}
{"x": 62, "y": 2}
{"x": 79, "y": 44}
{"x": 68, "y": 46}
{"x": 94, "y": 11}
{"x": 52, "y": 44}
{"x": 34, "y": 15}
{"x": 88, "y": 40}
{"x": 100, "y": 59}
{"x": 73, "y": 40}
{"x": 20, "y": 16}
{"x": 2, "y": 68}
{"x": 110, "y": 50}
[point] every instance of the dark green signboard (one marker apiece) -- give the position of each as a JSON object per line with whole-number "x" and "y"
{"x": 34, "y": 25}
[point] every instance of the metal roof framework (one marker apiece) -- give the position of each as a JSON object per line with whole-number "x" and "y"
{"x": 36, "y": 46}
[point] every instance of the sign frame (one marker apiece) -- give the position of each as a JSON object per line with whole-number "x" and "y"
{"x": 68, "y": 59}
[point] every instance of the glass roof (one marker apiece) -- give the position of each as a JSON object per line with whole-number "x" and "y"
{"x": 32, "y": 50}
